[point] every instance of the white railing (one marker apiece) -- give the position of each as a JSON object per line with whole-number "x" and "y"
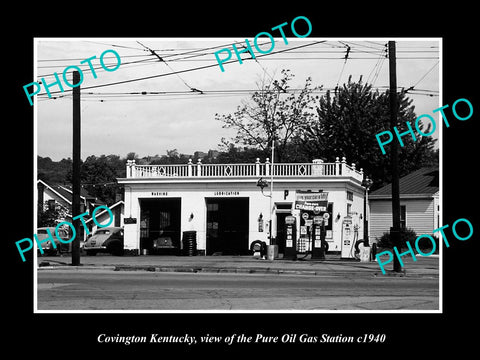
{"x": 226, "y": 170}
{"x": 315, "y": 169}
{"x": 160, "y": 170}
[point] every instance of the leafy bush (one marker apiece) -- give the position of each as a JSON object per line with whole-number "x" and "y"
{"x": 409, "y": 235}
{"x": 406, "y": 234}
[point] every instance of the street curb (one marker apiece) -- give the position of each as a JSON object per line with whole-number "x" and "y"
{"x": 215, "y": 270}
{"x": 254, "y": 271}
{"x": 356, "y": 272}
{"x": 75, "y": 267}
{"x": 338, "y": 273}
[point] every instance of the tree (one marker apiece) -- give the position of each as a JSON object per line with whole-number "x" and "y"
{"x": 241, "y": 155}
{"x": 172, "y": 157}
{"x": 274, "y": 113}
{"x": 99, "y": 176}
{"x": 53, "y": 172}
{"x": 346, "y": 124}
{"x": 132, "y": 156}
{"x": 50, "y": 216}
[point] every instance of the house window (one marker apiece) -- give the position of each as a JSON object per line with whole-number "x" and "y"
{"x": 403, "y": 216}
{"x": 51, "y": 204}
{"x": 349, "y": 209}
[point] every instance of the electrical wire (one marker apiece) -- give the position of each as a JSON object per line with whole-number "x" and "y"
{"x": 183, "y": 71}
{"x": 114, "y": 45}
{"x": 149, "y": 58}
{"x": 355, "y": 48}
{"x": 378, "y": 66}
{"x": 87, "y": 69}
{"x": 221, "y": 93}
{"x": 190, "y": 51}
{"x": 207, "y": 94}
{"x": 173, "y": 71}
{"x": 428, "y": 72}
{"x": 196, "y": 54}
{"x": 412, "y": 88}
{"x": 204, "y": 51}
{"x": 344, "y": 63}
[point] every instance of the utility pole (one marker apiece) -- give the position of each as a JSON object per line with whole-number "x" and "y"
{"x": 366, "y": 183}
{"x": 76, "y": 170}
{"x": 271, "y": 192}
{"x": 395, "y": 229}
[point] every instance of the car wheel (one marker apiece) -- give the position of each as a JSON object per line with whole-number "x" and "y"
{"x": 91, "y": 252}
{"x": 252, "y": 245}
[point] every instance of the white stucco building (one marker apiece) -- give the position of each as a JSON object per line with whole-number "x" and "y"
{"x": 228, "y": 211}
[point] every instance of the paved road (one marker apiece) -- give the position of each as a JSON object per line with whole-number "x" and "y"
{"x": 85, "y": 289}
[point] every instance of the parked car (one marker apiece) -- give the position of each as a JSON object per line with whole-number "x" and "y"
{"x": 47, "y": 246}
{"x": 109, "y": 239}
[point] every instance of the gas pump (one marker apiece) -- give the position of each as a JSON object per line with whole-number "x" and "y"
{"x": 348, "y": 242}
{"x": 318, "y": 238}
{"x": 290, "y": 251}
{"x": 303, "y": 241}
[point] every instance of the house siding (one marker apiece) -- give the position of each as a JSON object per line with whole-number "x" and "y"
{"x": 419, "y": 216}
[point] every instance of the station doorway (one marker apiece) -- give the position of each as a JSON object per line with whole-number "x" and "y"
{"x": 227, "y": 226}
{"x": 282, "y": 211}
{"x": 160, "y": 221}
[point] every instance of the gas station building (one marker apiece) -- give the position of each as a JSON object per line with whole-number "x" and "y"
{"x": 230, "y": 207}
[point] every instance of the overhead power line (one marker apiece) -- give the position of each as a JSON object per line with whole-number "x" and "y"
{"x": 423, "y": 77}
{"x": 200, "y": 54}
{"x": 173, "y": 71}
{"x": 428, "y": 72}
{"x": 378, "y": 65}
{"x": 343, "y": 67}
{"x": 183, "y": 71}
{"x": 346, "y": 49}
{"x": 207, "y": 94}
{"x": 87, "y": 69}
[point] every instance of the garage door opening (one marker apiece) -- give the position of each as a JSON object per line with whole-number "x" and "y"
{"x": 160, "y": 223}
{"x": 227, "y": 226}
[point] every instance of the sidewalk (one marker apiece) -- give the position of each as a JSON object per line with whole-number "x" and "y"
{"x": 333, "y": 265}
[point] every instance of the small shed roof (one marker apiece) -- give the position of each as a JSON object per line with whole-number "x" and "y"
{"x": 422, "y": 182}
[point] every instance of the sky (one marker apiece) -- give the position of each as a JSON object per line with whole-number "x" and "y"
{"x": 185, "y": 90}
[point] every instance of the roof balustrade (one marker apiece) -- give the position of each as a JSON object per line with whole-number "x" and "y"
{"x": 317, "y": 168}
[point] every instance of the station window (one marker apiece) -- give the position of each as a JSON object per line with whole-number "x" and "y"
{"x": 349, "y": 209}
{"x": 350, "y": 195}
